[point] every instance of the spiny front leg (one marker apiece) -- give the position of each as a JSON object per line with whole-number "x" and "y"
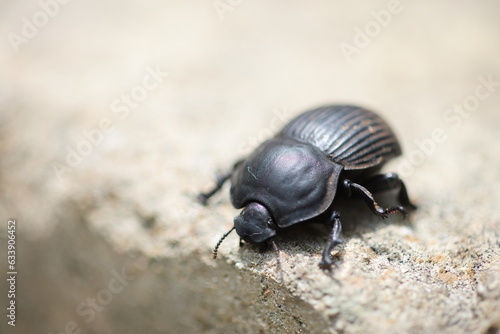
{"x": 357, "y": 189}
{"x": 334, "y": 240}
{"x": 219, "y": 182}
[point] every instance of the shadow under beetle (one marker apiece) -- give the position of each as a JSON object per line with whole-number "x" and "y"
{"x": 295, "y": 176}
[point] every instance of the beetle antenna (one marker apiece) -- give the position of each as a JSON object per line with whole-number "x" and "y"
{"x": 216, "y": 249}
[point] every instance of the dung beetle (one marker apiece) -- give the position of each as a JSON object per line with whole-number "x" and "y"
{"x": 325, "y": 153}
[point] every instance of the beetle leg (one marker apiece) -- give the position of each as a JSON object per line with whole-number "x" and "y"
{"x": 220, "y": 180}
{"x": 334, "y": 240}
{"x": 279, "y": 268}
{"x": 389, "y": 181}
{"x": 354, "y": 188}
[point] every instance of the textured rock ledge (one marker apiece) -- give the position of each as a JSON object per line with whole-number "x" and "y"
{"x": 438, "y": 271}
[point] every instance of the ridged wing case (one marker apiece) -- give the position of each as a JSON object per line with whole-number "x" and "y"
{"x": 353, "y": 137}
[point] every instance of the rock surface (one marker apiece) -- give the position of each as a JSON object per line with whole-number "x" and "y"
{"x": 114, "y": 115}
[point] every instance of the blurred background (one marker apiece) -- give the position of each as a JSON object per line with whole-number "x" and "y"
{"x": 139, "y": 103}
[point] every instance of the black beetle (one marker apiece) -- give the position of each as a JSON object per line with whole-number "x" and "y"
{"x": 295, "y": 176}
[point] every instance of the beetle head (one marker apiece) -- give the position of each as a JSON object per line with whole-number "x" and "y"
{"x": 254, "y": 224}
